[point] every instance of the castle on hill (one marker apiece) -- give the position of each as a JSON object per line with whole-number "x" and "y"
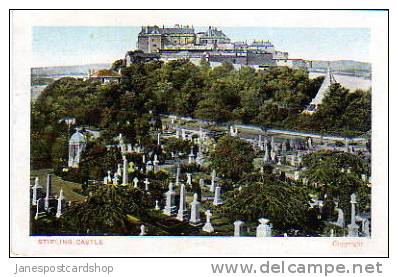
{"x": 178, "y": 42}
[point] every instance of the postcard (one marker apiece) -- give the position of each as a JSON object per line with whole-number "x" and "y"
{"x": 160, "y": 133}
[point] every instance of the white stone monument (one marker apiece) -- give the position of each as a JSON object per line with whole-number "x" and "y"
{"x": 170, "y": 207}
{"x": 353, "y": 227}
{"x": 195, "y": 211}
{"x": 48, "y": 192}
{"x": 217, "y": 197}
{"x": 182, "y": 210}
{"x": 238, "y": 228}
{"x": 125, "y": 172}
{"x": 143, "y": 231}
{"x": 60, "y": 203}
{"x": 135, "y": 181}
{"x": 189, "y": 178}
{"x": 35, "y": 189}
{"x": 208, "y": 227}
{"x": 146, "y": 182}
{"x": 263, "y": 229}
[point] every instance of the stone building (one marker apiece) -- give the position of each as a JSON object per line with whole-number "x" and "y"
{"x": 151, "y": 39}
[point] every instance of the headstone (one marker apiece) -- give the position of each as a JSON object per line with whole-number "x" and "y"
{"x": 208, "y": 227}
{"x": 238, "y": 228}
{"x": 106, "y": 180}
{"x": 353, "y": 201}
{"x": 48, "y": 192}
{"x": 156, "y": 164}
{"x": 135, "y": 181}
{"x": 310, "y": 146}
{"x": 353, "y": 227}
{"x": 157, "y": 205}
{"x": 170, "y": 207}
{"x": 143, "y": 231}
{"x": 331, "y": 233}
{"x": 266, "y": 154}
{"x": 191, "y": 156}
{"x": 217, "y": 197}
{"x": 182, "y": 210}
{"x": 146, "y": 182}
{"x": 340, "y": 218}
{"x": 125, "y": 173}
{"x": 363, "y": 177}
{"x": 37, "y": 209}
{"x": 35, "y": 191}
{"x": 119, "y": 170}
{"x": 201, "y": 182}
{"x": 189, "y": 178}
{"x": 60, "y": 204}
{"x": 195, "y": 211}
{"x": 213, "y": 180}
{"x": 115, "y": 179}
{"x": 158, "y": 138}
{"x": 263, "y": 229}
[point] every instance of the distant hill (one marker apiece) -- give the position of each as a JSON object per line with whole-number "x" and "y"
{"x": 71, "y": 70}
{"x": 343, "y": 66}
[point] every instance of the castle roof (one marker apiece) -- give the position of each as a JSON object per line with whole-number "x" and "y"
{"x": 147, "y": 30}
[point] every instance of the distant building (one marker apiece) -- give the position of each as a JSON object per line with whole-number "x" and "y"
{"x": 105, "y": 76}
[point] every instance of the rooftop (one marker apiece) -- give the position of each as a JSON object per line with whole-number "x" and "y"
{"x": 105, "y": 73}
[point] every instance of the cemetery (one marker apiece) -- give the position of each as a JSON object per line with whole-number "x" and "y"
{"x": 177, "y": 149}
{"x": 185, "y": 189}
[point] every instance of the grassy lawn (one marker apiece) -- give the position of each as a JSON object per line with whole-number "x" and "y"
{"x": 57, "y": 184}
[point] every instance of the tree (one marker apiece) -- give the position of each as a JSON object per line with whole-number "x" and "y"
{"x": 232, "y": 157}
{"x": 267, "y": 197}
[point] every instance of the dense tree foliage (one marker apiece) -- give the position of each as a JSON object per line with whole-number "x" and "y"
{"x": 232, "y": 157}
{"x": 265, "y": 196}
{"x": 336, "y": 175}
{"x": 273, "y": 97}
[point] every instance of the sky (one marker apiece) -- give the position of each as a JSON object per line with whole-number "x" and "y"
{"x": 53, "y": 46}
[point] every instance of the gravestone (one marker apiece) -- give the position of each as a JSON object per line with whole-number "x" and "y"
{"x": 353, "y": 227}
{"x": 170, "y": 207}
{"x": 189, "y": 178}
{"x": 146, "y": 182}
{"x": 143, "y": 231}
{"x": 115, "y": 179}
{"x": 208, "y": 227}
{"x": 191, "y": 156}
{"x": 119, "y": 170}
{"x": 157, "y": 205}
{"x": 263, "y": 229}
{"x": 135, "y": 181}
{"x": 238, "y": 228}
{"x": 195, "y": 211}
{"x": 60, "y": 204}
{"x": 340, "y": 218}
{"x": 125, "y": 173}
{"x": 36, "y": 190}
{"x": 48, "y": 192}
{"x": 213, "y": 180}
{"x": 217, "y": 197}
{"x": 182, "y": 210}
